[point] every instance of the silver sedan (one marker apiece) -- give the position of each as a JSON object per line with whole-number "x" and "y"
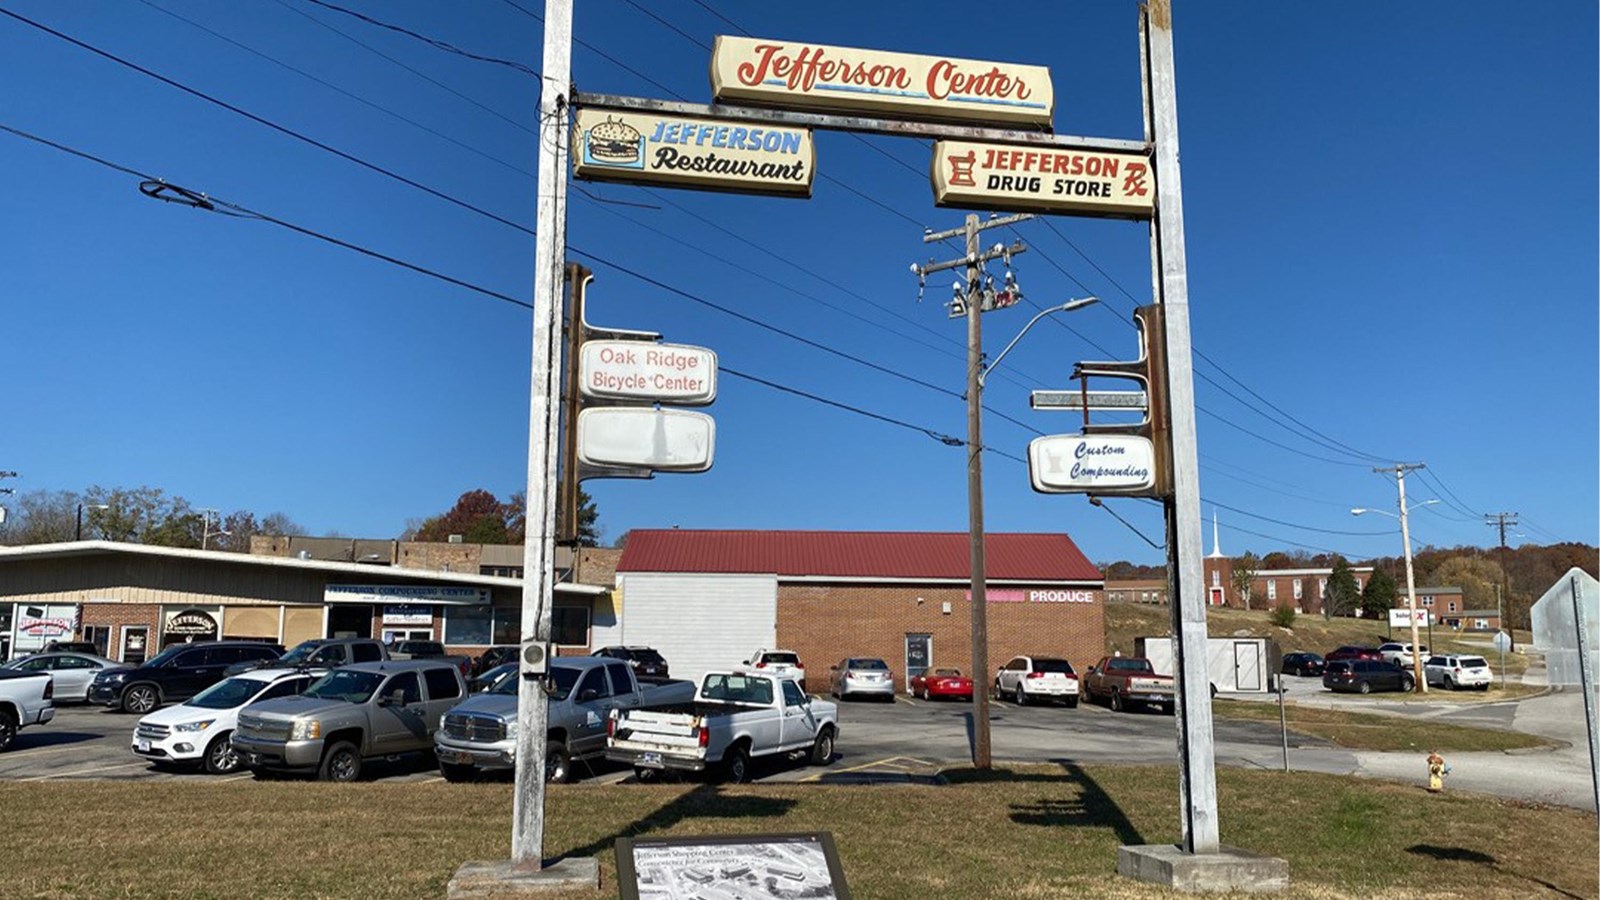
{"x": 70, "y": 673}
{"x": 861, "y": 676}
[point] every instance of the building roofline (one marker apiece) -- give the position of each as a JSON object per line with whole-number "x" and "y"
{"x": 68, "y": 549}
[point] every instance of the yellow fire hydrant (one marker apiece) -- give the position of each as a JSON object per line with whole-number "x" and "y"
{"x": 1437, "y": 770}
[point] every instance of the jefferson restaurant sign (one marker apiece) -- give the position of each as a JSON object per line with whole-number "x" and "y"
{"x": 780, "y": 73}
{"x": 1001, "y": 176}
{"x": 713, "y": 154}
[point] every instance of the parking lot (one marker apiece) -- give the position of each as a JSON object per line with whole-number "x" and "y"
{"x": 907, "y": 738}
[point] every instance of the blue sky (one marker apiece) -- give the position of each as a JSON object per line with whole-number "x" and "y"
{"x": 1391, "y": 224}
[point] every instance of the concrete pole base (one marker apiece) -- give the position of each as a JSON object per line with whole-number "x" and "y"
{"x": 1229, "y": 869}
{"x": 501, "y": 878}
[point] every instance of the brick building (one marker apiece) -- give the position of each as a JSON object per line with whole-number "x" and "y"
{"x": 709, "y": 599}
{"x": 131, "y": 599}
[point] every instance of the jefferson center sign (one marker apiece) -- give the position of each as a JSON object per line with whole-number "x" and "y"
{"x": 1002, "y": 176}
{"x": 676, "y": 151}
{"x": 801, "y": 75}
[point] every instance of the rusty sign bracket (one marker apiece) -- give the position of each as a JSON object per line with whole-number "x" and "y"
{"x": 860, "y": 124}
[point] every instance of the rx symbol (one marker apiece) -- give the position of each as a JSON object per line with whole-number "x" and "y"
{"x": 1134, "y": 184}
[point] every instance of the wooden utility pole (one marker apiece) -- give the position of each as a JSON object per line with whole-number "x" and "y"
{"x": 1399, "y": 472}
{"x": 1501, "y": 520}
{"x": 538, "y": 556}
{"x": 973, "y": 263}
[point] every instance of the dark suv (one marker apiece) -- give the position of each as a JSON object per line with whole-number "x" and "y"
{"x": 176, "y": 673}
{"x": 1366, "y": 676}
{"x": 647, "y": 663}
{"x": 320, "y": 653}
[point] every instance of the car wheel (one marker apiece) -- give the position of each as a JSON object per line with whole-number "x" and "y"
{"x": 141, "y": 698}
{"x": 822, "y": 750}
{"x": 1021, "y": 696}
{"x": 1449, "y": 683}
{"x": 1169, "y": 709}
{"x": 1364, "y": 687}
{"x": 1408, "y": 684}
{"x": 1072, "y": 702}
{"x": 1213, "y": 691}
{"x": 342, "y": 763}
{"x": 736, "y": 765}
{"x": 645, "y": 775}
{"x": 557, "y": 763}
{"x": 8, "y": 728}
{"x": 1484, "y": 686}
{"x": 1116, "y": 700}
{"x": 455, "y": 772}
{"x": 220, "y": 758}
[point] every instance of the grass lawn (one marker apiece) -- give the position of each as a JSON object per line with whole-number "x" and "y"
{"x": 1029, "y": 832}
{"x": 1126, "y": 621}
{"x": 1368, "y": 731}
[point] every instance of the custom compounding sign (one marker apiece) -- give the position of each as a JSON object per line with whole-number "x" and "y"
{"x": 709, "y": 154}
{"x": 731, "y": 867}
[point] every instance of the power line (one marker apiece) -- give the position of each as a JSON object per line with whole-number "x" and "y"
{"x": 1259, "y": 437}
{"x": 268, "y": 123}
{"x": 945, "y": 439}
{"x": 432, "y": 42}
{"x": 731, "y": 23}
{"x": 1234, "y": 509}
{"x": 1207, "y": 467}
{"x": 684, "y": 34}
{"x": 420, "y": 74}
{"x": 1283, "y": 540}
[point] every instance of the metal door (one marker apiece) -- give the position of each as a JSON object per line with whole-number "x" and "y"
{"x": 1247, "y": 666}
{"x": 919, "y": 654}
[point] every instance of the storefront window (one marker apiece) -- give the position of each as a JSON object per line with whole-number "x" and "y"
{"x": 569, "y": 626}
{"x": 508, "y": 626}
{"x": 471, "y": 625}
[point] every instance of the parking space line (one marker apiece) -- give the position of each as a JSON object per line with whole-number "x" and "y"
{"x": 431, "y": 780}
{"x": 236, "y": 777}
{"x": 901, "y": 699}
{"x": 85, "y": 771}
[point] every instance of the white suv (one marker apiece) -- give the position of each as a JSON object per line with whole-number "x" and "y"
{"x": 783, "y": 663}
{"x": 197, "y": 730}
{"x": 1037, "y": 679}
{"x": 1454, "y": 670}
{"x": 1399, "y": 654}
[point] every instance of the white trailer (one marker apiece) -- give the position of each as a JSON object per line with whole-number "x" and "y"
{"x": 1237, "y": 665}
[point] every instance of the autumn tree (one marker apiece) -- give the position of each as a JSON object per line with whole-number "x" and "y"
{"x": 40, "y": 517}
{"x": 478, "y": 516}
{"x": 1475, "y": 576}
{"x": 1341, "y": 596}
{"x": 1244, "y": 572}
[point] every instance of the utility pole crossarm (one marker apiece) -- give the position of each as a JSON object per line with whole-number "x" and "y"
{"x": 933, "y": 237}
{"x": 971, "y": 259}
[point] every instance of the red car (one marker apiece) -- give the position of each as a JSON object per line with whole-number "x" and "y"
{"x": 1349, "y": 652}
{"x": 933, "y": 683}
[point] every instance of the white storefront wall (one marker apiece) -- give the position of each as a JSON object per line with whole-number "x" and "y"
{"x": 698, "y": 622}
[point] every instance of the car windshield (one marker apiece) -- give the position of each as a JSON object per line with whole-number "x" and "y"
{"x": 351, "y": 687}
{"x": 1474, "y": 662}
{"x": 301, "y": 652}
{"x": 227, "y": 694}
{"x": 868, "y": 664}
{"x": 1131, "y": 665}
{"x": 647, "y": 656}
{"x": 558, "y": 684}
{"x": 1052, "y": 665}
{"x": 787, "y": 659}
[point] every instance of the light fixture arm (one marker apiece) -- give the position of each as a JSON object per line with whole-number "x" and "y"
{"x": 1069, "y": 306}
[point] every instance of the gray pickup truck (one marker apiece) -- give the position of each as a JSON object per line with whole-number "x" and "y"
{"x": 481, "y": 734}
{"x": 354, "y": 713}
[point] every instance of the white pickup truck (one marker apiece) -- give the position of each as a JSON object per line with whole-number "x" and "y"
{"x": 735, "y": 717}
{"x": 26, "y": 698}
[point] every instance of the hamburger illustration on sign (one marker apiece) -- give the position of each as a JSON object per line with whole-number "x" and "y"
{"x": 613, "y": 143}
{"x": 677, "y": 151}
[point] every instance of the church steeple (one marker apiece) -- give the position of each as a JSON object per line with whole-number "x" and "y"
{"x": 1216, "y": 538}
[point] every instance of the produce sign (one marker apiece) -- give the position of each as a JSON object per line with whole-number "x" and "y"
{"x": 797, "y": 74}
{"x": 1092, "y": 464}
{"x": 1002, "y": 176}
{"x": 636, "y": 370}
{"x": 696, "y": 153}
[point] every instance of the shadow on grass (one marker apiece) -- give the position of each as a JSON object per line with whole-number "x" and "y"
{"x": 1462, "y": 854}
{"x": 1091, "y": 808}
{"x": 704, "y": 801}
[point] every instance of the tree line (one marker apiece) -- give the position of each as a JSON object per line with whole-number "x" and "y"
{"x": 141, "y": 515}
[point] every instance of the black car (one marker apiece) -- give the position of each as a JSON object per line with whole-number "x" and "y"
{"x": 1302, "y": 664}
{"x": 1366, "y": 676}
{"x": 494, "y": 656}
{"x": 648, "y": 665}
{"x": 321, "y": 653}
{"x": 175, "y": 674}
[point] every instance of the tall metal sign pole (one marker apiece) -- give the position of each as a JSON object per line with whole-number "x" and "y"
{"x": 538, "y": 555}
{"x": 1586, "y": 681}
{"x": 1197, "y": 774}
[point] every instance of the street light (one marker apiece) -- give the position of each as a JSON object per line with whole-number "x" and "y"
{"x": 1068, "y": 306}
{"x": 205, "y": 526}
{"x": 81, "y": 508}
{"x": 1411, "y": 579}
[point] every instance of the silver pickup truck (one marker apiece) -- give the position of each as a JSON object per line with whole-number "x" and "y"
{"x": 354, "y": 713}
{"x": 26, "y": 698}
{"x": 481, "y": 734}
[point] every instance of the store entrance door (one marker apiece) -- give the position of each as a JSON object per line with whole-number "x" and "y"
{"x": 135, "y": 644}
{"x": 349, "y": 620}
{"x": 919, "y": 654}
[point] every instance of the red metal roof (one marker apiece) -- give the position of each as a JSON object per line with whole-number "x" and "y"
{"x": 855, "y": 554}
